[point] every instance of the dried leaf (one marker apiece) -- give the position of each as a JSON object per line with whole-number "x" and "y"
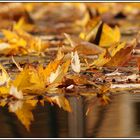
{"x": 109, "y": 36}
{"x": 75, "y": 62}
{"x": 83, "y": 47}
{"x": 14, "y": 92}
{"x": 118, "y": 59}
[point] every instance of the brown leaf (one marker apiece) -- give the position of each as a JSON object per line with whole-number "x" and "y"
{"x": 122, "y": 56}
{"x": 83, "y": 47}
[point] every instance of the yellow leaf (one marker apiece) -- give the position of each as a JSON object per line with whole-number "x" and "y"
{"x": 118, "y": 59}
{"x": 4, "y": 90}
{"x": 51, "y": 67}
{"x": 23, "y": 112}
{"x": 61, "y": 72}
{"x": 90, "y": 31}
{"x": 32, "y": 102}
{"x": 109, "y": 55}
{"x": 37, "y": 78}
{"x": 109, "y": 36}
{"x": 61, "y": 101}
{"x": 22, "y": 24}
{"x": 13, "y": 38}
{"x": 22, "y": 80}
{"x": 117, "y": 47}
{"x": 102, "y": 59}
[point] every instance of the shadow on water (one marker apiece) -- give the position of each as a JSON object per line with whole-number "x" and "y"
{"x": 121, "y": 118}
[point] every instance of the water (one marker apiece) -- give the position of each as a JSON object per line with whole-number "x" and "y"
{"x": 121, "y": 118}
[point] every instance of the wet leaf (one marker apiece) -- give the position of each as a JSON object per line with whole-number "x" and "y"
{"x": 118, "y": 59}
{"x": 23, "y": 112}
{"x": 61, "y": 101}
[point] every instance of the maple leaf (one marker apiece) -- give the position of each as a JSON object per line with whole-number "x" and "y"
{"x": 23, "y": 112}
{"x": 109, "y": 36}
{"x": 22, "y": 80}
{"x": 116, "y": 55}
{"x": 21, "y": 42}
{"x": 118, "y": 59}
{"x": 51, "y": 67}
{"x": 57, "y": 77}
{"x": 91, "y": 28}
{"x": 37, "y": 78}
{"x": 14, "y": 92}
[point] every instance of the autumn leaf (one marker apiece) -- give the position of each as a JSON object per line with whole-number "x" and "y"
{"x": 90, "y": 31}
{"x": 4, "y": 90}
{"x": 83, "y": 47}
{"x": 23, "y": 112}
{"x": 51, "y": 67}
{"x": 22, "y": 80}
{"x": 61, "y": 101}
{"x": 24, "y": 25}
{"x": 60, "y": 73}
{"x": 37, "y": 78}
{"x": 109, "y": 36}
{"x": 75, "y": 62}
{"x": 118, "y": 59}
{"x": 20, "y": 42}
{"x": 101, "y": 60}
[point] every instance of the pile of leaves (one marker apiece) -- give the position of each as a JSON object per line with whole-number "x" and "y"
{"x": 88, "y": 55}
